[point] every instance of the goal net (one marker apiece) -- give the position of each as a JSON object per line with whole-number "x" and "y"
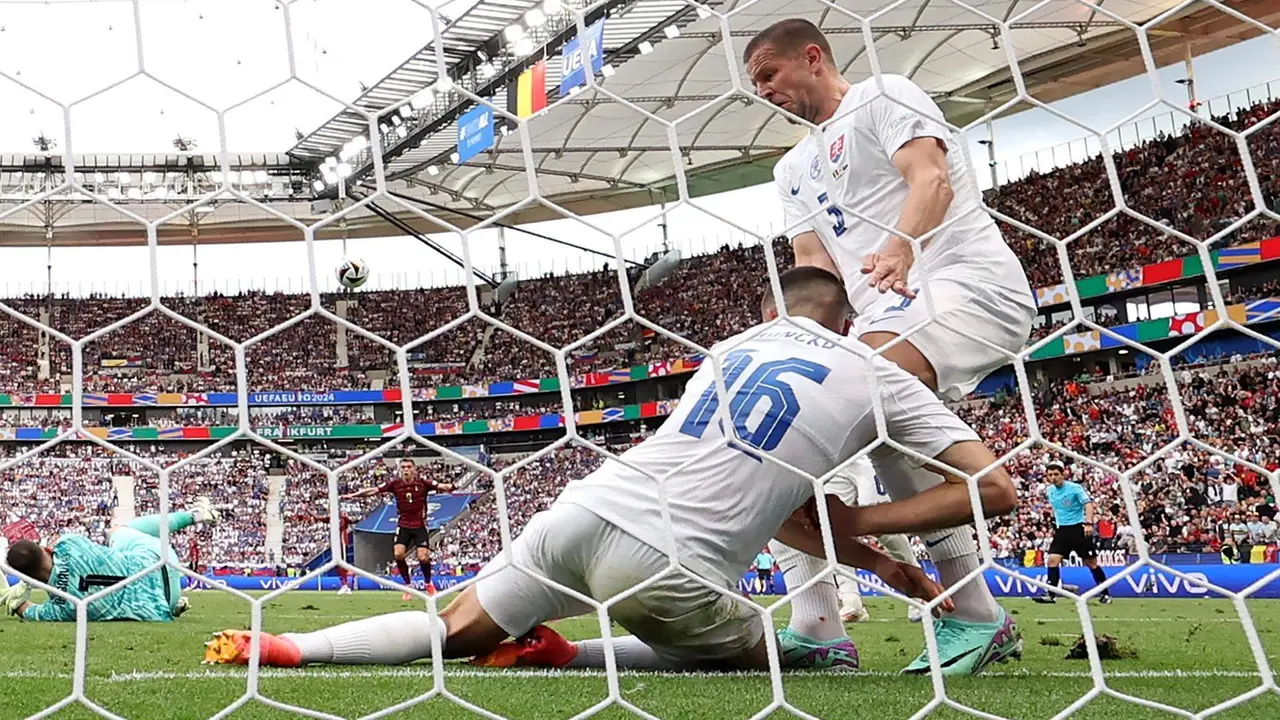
{"x": 1139, "y": 435}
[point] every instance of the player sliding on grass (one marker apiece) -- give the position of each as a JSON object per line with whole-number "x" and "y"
{"x": 886, "y": 155}
{"x": 80, "y": 568}
{"x": 800, "y": 398}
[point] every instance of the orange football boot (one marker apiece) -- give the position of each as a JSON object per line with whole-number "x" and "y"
{"x": 231, "y": 647}
{"x": 540, "y": 647}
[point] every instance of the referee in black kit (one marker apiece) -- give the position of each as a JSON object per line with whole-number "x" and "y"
{"x": 1074, "y": 514}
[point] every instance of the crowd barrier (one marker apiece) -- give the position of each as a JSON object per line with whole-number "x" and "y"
{"x": 1146, "y": 582}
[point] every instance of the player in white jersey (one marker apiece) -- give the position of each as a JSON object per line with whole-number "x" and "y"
{"x": 796, "y": 397}
{"x": 885, "y": 154}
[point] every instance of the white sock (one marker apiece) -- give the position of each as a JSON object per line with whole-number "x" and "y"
{"x": 899, "y": 548}
{"x": 815, "y": 613}
{"x": 850, "y": 594}
{"x": 955, "y": 554}
{"x": 392, "y": 639}
{"x": 628, "y": 650}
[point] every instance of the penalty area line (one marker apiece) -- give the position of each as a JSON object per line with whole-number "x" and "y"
{"x": 425, "y": 672}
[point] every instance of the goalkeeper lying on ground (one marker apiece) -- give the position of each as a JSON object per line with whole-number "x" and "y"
{"x": 80, "y": 568}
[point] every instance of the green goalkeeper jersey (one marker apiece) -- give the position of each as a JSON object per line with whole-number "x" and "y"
{"x": 82, "y": 568}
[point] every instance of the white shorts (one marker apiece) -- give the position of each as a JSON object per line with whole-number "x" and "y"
{"x": 682, "y": 620}
{"x": 970, "y": 299}
{"x": 857, "y": 485}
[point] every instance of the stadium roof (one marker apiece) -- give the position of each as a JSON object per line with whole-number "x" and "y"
{"x": 593, "y": 154}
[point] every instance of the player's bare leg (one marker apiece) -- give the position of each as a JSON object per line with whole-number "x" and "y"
{"x": 464, "y": 629}
{"x": 544, "y": 647}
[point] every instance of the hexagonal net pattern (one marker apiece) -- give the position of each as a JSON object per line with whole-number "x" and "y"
{"x": 832, "y": 208}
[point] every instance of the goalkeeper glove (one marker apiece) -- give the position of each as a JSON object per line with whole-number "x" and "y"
{"x": 15, "y": 597}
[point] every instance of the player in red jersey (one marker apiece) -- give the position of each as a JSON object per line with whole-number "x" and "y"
{"x": 344, "y": 534}
{"x": 193, "y": 553}
{"x": 411, "y": 504}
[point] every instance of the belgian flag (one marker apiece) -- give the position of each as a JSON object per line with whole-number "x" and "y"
{"x": 528, "y": 94}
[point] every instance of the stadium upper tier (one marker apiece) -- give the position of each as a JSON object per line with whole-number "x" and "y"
{"x": 1194, "y": 182}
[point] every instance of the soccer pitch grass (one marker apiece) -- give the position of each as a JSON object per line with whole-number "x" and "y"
{"x": 1191, "y": 654}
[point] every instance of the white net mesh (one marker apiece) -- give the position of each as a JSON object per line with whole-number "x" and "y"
{"x": 725, "y": 27}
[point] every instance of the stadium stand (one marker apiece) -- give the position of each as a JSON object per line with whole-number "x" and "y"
{"x": 1164, "y": 179}
{"x": 1190, "y": 500}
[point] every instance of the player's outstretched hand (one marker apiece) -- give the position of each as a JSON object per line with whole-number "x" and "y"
{"x": 912, "y": 582}
{"x": 15, "y": 597}
{"x": 888, "y": 269}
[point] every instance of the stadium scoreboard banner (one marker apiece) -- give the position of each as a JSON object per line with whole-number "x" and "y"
{"x": 634, "y": 373}
{"x": 547, "y": 421}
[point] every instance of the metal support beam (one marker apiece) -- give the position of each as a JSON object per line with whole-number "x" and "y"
{"x": 517, "y": 228}
{"x": 444, "y": 252}
{"x": 909, "y": 30}
{"x": 567, "y": 174}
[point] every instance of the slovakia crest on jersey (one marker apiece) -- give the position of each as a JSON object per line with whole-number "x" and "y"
{"x": 837, "y": 151}
{"x": 837, "y": 157}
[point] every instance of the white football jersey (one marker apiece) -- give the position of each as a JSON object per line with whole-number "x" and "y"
{"x": 794, "y": 396}
{"x": 860, "y": 143}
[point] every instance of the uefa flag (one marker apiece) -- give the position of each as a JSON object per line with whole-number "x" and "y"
{"x": 528, "y": 94}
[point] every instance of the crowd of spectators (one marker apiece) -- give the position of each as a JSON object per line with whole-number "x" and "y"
{"x": 1188, "y": 499}
{"x": 1193, "y": 182}
{"x": 236, "y": 485}
{"x": 305, "y": 504}
{"x": 474, "y": 538}
{"x": 66, "y": 492}
{"x": 703, "y": 302}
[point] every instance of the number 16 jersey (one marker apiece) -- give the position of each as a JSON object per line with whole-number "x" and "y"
{"x": 792, "y": 395}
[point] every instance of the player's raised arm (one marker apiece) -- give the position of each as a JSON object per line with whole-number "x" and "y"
{"x": 917, "y": 145}
{"x": 367, "y": 492}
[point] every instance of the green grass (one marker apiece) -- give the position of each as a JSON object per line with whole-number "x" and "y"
{"x": 153, "y": 671}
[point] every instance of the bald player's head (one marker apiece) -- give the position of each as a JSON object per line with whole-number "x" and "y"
{"x": 813, "y": 293}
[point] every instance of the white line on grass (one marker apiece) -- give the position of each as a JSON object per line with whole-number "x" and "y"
{"x": 268, "y": 615}
{"x": 424, "y": 671}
